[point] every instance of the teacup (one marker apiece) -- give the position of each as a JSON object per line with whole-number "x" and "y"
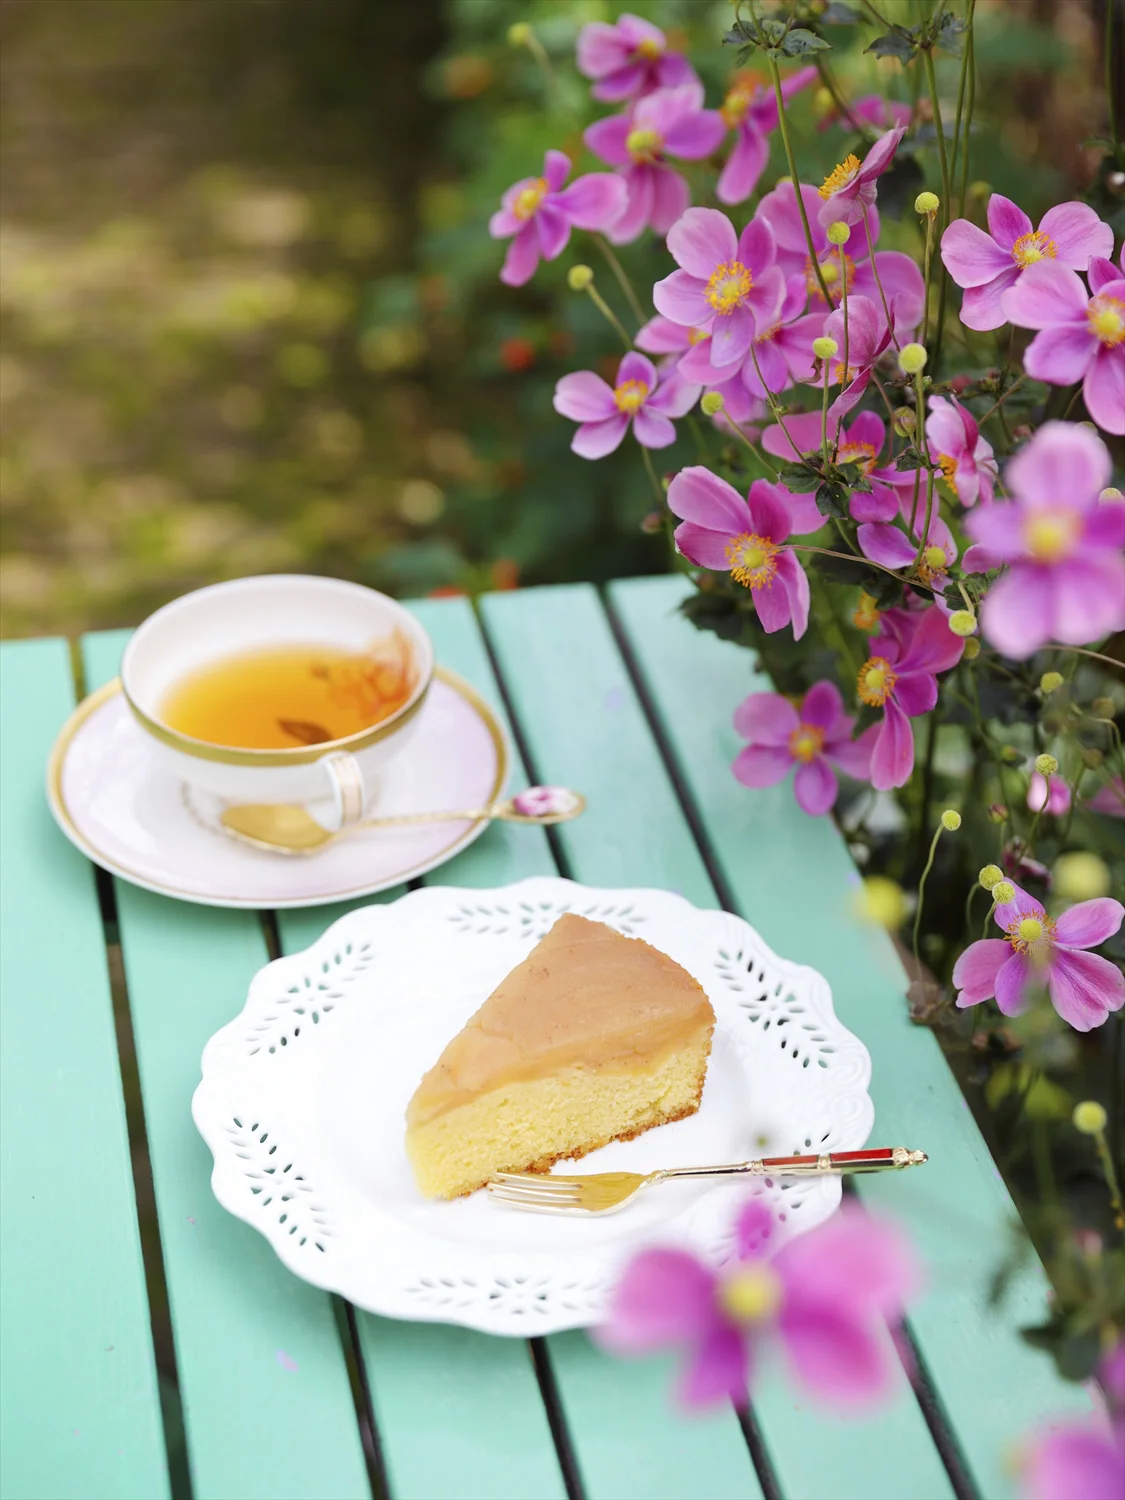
{"x": 335, "y": 779}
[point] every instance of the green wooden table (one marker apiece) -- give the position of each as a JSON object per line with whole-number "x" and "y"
{"x": 152, "y": 1345}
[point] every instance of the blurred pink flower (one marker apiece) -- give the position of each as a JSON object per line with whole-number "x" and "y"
{"x": 1065, "y": 578}
{"x": 745, "y": 538}
{"x": 867, "y": 340}
{"x": 1076, "y": 1461}
{"x": 1109, "y": 800}
{"x": 670, "y": 122}
{"x": 900, "y": 677}
{"x": 638, "y": 396}
{"x": 986, "y": 265}
{"x": 727, "y": 278}
{"x": 884, "y": 114}
{"x": 1082, "y": 337}
{"x": 750, "y": 109}
{"x": 540, "y": 214}
{"x": 1037, "y": 949}
{"x": 849, "y": 189}
{"x": 824, "y": 1298}
{"x": 629, "y": 59}
{"x": 861, "y": 444}
{"x": 1053, "y": 798}
{"x": 813, "y": 737}
{"x": 954, "y": 441}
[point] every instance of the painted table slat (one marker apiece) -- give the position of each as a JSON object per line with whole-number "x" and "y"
{"x": 80, "y": 1407}
{"x": 584, "y": 725}
{"x": 268, "y": 1409}
{"x": 793, "y": 878}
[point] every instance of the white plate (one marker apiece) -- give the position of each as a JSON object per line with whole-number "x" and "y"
{"x": 303, "y": 1097}
{"x": 114, "y": 800}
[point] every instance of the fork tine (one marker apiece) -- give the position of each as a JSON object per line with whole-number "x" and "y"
{"x": 533, "y": 1181}
{"x": 529, "y": 1195}
{"x": 539, "y": 1205}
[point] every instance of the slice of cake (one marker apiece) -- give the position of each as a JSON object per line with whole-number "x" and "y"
{"x": 595, "y": 1037}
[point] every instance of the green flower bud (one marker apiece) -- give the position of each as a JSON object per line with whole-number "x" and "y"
{"x": 951, "y": 820}
{"x": 927, "y": 203}
{"x": 1089, "y": 1117}
{"x": 1003, "y": 892}
{"x": 912, "y": 359}
{"x": 578, "y": 278}
{"x": 824, "y": 348}
{"x": 1079, "y": 876}
{"x": 962, "y": 622}
{"x": 972, "y": 649}
{"x": 838, "y": 233}
{"x": 712, "y": 403}
{"x": 1103, "y": 708}
{"x": 991, "y": 876}
{"x": 904, "y": 421}
{"x": 1092, "y": 757}
{"x": 1050, "y": 682}
{"x": 1046, "y": 765}
{"x": 519, "y": 35}
{"x": 1110, "y": 495}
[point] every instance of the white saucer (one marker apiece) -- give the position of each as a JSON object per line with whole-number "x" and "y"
{"x": 113, "y": 801}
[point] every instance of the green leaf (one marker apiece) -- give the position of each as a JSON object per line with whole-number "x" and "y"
{"x": 770, "y": 31}
{"x": 949, "y": 32}
{"x": 832, "y": 500}
{"x": 740, "y": 35}
{"x": 854, "y": 477}
{"x": 896, "y": 43}
{"x": 910, "y": 460}
{"x": 800, "y": 478}
{"x": 798, "y": 42}
{"x": 838, "y": 14}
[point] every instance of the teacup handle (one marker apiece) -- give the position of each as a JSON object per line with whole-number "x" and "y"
{"x": 348, "y": 789}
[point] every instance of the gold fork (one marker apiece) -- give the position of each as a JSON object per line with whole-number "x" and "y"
{"x": 606, "y": 1192}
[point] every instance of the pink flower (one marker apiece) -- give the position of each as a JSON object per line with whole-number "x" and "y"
{"x": 900, "y": 677}
{"x": 954, "y": 441}
{"x": 728, "y": 279}
{"x": 867, "y": 340}
{"x": 750, "y": 109}
{"x": 671, "y": 122}
{"x": 884, "y": 114}
{"x": 541, "y": 215}
{"x": 629, "y": 58}
{"x": 813, "y": 738}
{"x": 1036, "y": 949}
{"x": 849, "y": 189}
{"x": 1076, "y": 1461}
{"x": 1082, "y": 337}
{"x": 894, "y": 549}
{"x": 824, "y": 1298}
{"x": 844, "y": 269}
{"x": 638, "y": 397}
{"x": 779, "y": 354}
{"x": 986, "y": 265}
{"x": 859, "y": 444}
{"x": 1066, "y": 575}
{"x": 545, "y": 802}
{"x": 1109, "y": 800}
{"x": 720, "y": 530}
{"x": 1052, "y": 797}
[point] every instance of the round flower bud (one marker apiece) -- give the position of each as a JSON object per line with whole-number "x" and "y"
{"x": 1110, "y": 494}
{"x": 1079, "y": 876}
{"x": 883, "y": 902}
{"x": 912, "y": 359}
{"x": 998, "y": 812}
{"x": 824, "y": 348}
{"x": 1046, "y": 765}
{"x": 519, "y": 35}
{"x": 652, "y": 523}
{"x": 823, "y": 102}
{"x": 1092, "y": 757}
{"x": 1003, "y": 892}
{"x": 838, "y": 233}
{"x": 962, "y": 621}
{"x": 578, "y": 278}
{"x": 904, "y": 421}
{"x": 927, "y": 203}
{"x": 972, "y": 649}
{"x": 980, "y": 189}
{"x": 1050, "y": 682}
{"x": 991, "y": 876}
{"x": 1089, "y": 1117}
{"x": 712, "y": 403}
{"x": 1103, "y": 708}
{"x": 951, "y": 820}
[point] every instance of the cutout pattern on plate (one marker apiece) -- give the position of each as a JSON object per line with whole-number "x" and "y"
{"x": 534, "y": 919}
{"x": 309, "y": 998}
{"x": 277, "y": 1187}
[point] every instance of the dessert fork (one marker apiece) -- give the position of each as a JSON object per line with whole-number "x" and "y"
{"x": 606, "y": 1192}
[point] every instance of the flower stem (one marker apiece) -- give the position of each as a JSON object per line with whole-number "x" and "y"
{"x": 920, "y": 413}
{"x": 996, "y": 405}
{"x": 926, "y": 278}
{"x": 824, "y": 418}
{"x": 971, "y": 51}
{"x": 987, "y": 920}
{"x": 1096, "y": 655}
{"x": 1110, "y": 7}
{"x": 946, "y": 189}
{"x": 970, "y": 6}
{"x": 607, "y": 312}
{"x": 657, "y": 487}
{"x": 742, "y": 438}
{"x": 783, "y": 125}
{"x": 922, "y": 885}
{"x": 838, "y": 99}
{"x": 1111, "y": 1179}
{"x": 914, "y": 583}
{"x": 622, "y": 278}
{"x": 539, "y": 53}
{"x": 878, "y": 281}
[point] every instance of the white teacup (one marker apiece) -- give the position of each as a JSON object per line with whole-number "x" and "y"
{"x": 336, "y": 779}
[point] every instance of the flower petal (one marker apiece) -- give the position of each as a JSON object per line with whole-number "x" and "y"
{"x": 661, "y": 336}
{"x": 1061, "y": 354}
{"x": 682, "y": 298}
{"x": 1089, "y": 923}
{"x": 696, "y": 494}
{"x": 595, "y": 201}
{"x": 886, "y": 544}
{"x": 1016, "y": 612}
{"x": 553, "y": 230}
{"x": 674, "y": 396}
{"x": 768, "y": 510}
{"x": 795, "y": 582}
{"x": 1063, "y": 460}
{"x": 744, "y": 166}
{"x": 760, "y": 766}
{"x": 606, "y": 138}
{"x": 731, "y": 336}
{"x": 638, "y": 180}
{"x": 1012, "y": 981}
{"x": 1088, "y": 598}
{"x": 522, "y": 258}
{"x": 695, "y": 134}
{"x": 823, "y": 706}
{"x": 916, "y": 695}
{"x": 933, "y": 647}
{"x": 702, "y": 546}
{"x": 853, "y": 757}
{"x": 601, "y": 49}
{"x": 596, "y": 439}
{"x": 982, "y": 307}
{"x": 972, "y": 257}
{"x": 1006, "y": 221}
{"x": 1044, "y": 294}
{"x": 653, "y": 430}
{"x": 1104, "y": 389}
{"x": 815, "y": 787}
{"x": 766, "y": 719}
{"x": 1078, "y": 233}
{"x": 664, "y": 1297}
{"x": 1085, "y": 987}
{"x": 584, "y": 397}
{"x": 892, "y": 758}
{"x": 719, "y": 1370}
{"x": 670, "y": 198}
{"x": 800, "y": 433}
{"x": 1079, "y": 1461}
{"x": 840, "y": 1358}
{"x": 702, "y": 240}
{"x": 974, "y": 973}
{"x": 757, "y": 248}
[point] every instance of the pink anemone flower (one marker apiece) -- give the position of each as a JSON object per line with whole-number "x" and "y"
{"x": 1065, "y": 578}
{"x": 872, "y": 109}
{"x": 727, "y": 278}
{"x": 1076, "y": 1461}
{"x": 798, "y": 435}
{"x": 900, "y": 677}
{"x": 824, "y": 1298}
{"x": 661, "y": 336}
{"x": 844, "y": 268}
{"x": 540, "y": 214}
{"x": 868, "y": 338}
{"x": 1048, "y": 795}
{"x": 670, "y": 122}
{"x": 1109, "y": 800}
{"x": 638, "y": 396}
{"x": 1037, "y": 950}
{"x": 629, "y": 58}
{"x": 744, "y": 538}
{"x": 813, "y": 737}
{"x": 780, "y": 354}
{"x": 750, "y": 109}
{"x": 892, "y": 548}
{"x": 849, "y": 189}
{"x": 1082, "y": 337}
{"x": 986, "y": 265}
{"x": 954, "y": 441}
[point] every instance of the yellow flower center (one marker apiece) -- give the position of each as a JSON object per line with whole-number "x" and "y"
{"x": 751, "y": 1294}
{"x": 650, "y": 49}
{"x": 630, "y": 395}
{"x": 931, "y": 570}
{"x": 934, "y": 557}
{"x": 1032, "y": 247}
{"x": 861, "y": 454}
{"x": 1050, "y": 535}
{"x": 734, "y": 106}
{"x": 839, "y": 177}
{"x": 1107, "y": 319}
{"x": 876, "y": 681}
{"x": 948, "y": 467}
{"x": 643, "y": 144}
{"x": 806, "y": 742}
{"x": 770, "y": 333}
{"x": 697, "y": 335}
{"x": 730, "y": 282}
{"x": 1032, "y": 935}
{"x": 753, "y": 560}
{"x": 866, "y": 616}
{"x": 529, "y": 200}
{"x": 838, "y": 270}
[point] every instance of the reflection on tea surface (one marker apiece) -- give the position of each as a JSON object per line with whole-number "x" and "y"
{"x": 280, "y": 697}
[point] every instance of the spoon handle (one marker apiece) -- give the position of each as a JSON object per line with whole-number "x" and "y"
{"x": 468, "y": 814}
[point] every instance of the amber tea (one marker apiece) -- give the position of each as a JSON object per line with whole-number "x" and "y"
{"x": 282, "y": 697}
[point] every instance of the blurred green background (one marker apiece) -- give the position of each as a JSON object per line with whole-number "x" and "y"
{"x": 249, "y": 310}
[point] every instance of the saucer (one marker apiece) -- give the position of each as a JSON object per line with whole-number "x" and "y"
{"x": 115, "y": 803}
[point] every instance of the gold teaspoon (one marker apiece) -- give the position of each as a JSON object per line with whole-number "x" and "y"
{"x": 288, "y": 828}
